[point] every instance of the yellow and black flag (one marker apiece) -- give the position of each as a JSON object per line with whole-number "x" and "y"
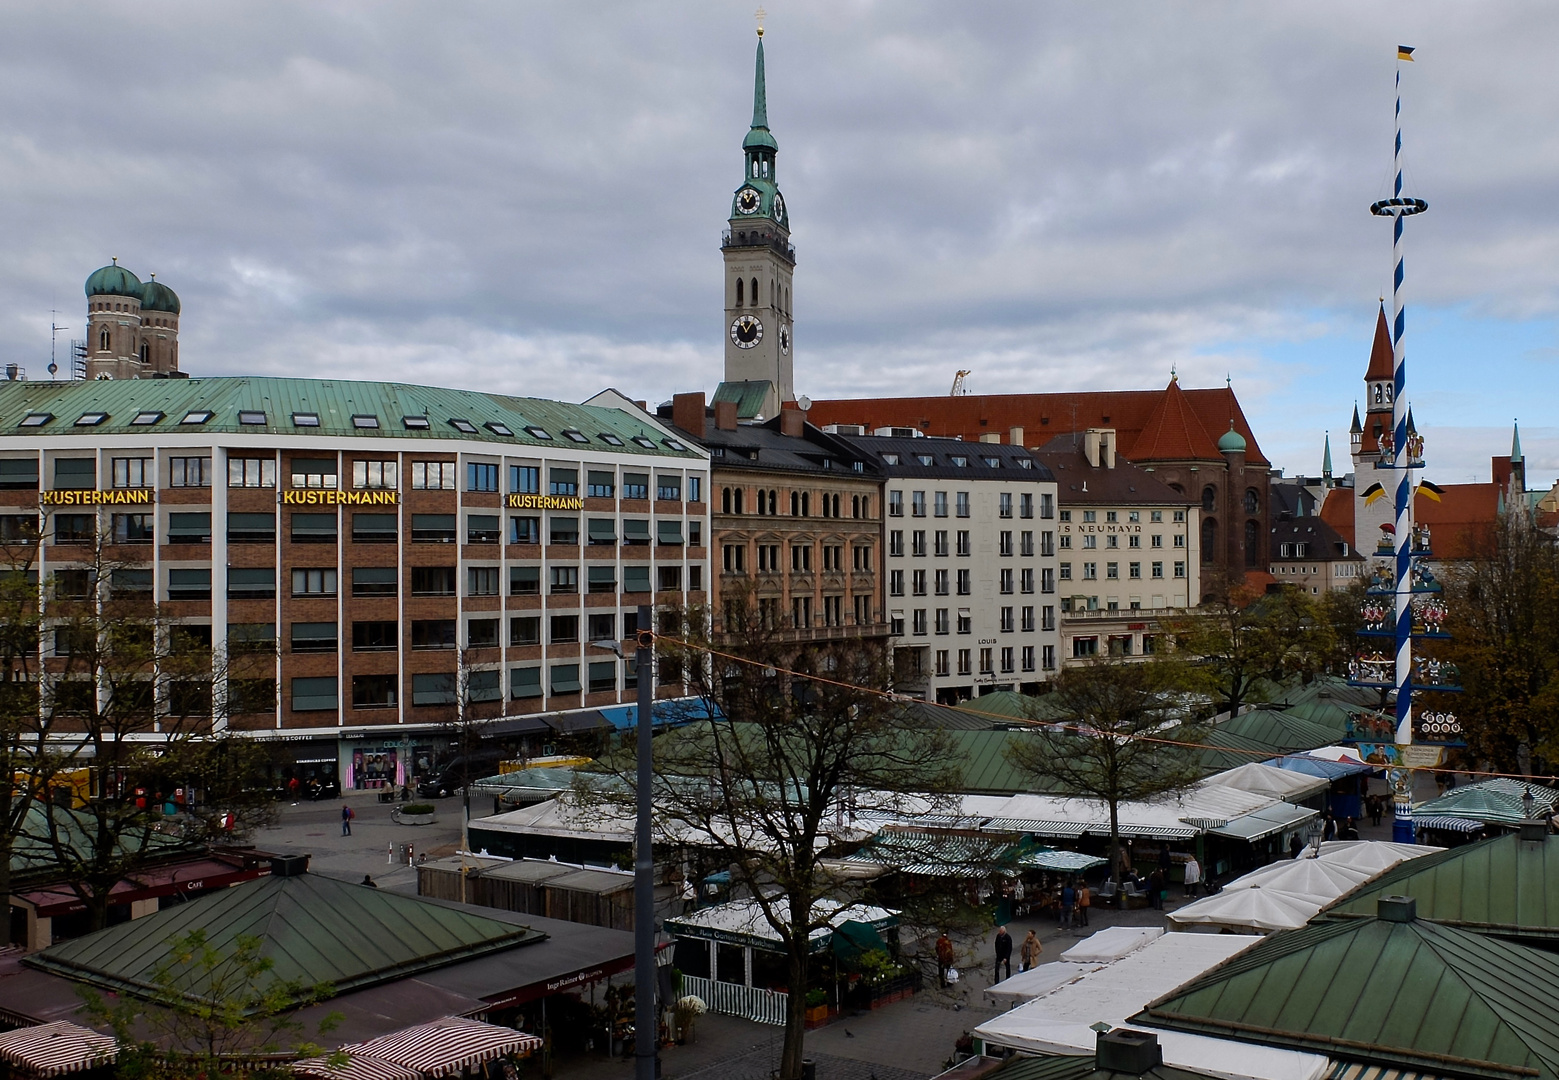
{"x": 1405, "y": 52}
{"x": 1429, "y": 490}
{"x": 1373, "y": 492}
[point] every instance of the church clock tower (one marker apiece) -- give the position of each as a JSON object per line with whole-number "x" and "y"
{"x": 759, "y": 262}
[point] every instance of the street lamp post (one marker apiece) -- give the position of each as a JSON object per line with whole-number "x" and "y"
{"x": 646, "y": 1032}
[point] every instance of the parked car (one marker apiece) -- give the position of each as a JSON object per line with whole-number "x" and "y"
{"x": 458, "y": 772}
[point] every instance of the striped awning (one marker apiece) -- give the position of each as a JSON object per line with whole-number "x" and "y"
{"x": 356, "y": 1067}
{"x": 445, "y": 1046}
{"x": 1353, "y": 1070}
{"x": 1449, "y": 824}
{"x": 57, "y": 1048}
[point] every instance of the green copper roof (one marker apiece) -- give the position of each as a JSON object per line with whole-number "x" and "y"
{"x": 760, "y": 94}
{"x": 155, "y": 296}
{"x": 340, "y": 406}
{"x": 1515, "y": 442}
{"x": 749, "y": 397}
{"x": 1498, "y": 801}
{"x": 113, "y": 280}
{"x": 1506, "y": 885}
{"x": 1232, "y": 441}
{"x": 1326, "y": 458}
{"x": 1282, "y": 731}
{"x": 1415, "y": 995}
{"x": 315, "y": 930}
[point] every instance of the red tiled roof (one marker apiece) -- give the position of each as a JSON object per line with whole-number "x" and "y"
{"x": 1459, "y": 522}
{"x": 1173, "y": 431}
{"x": 1382, "y": 362}
{"x": 1337, "y": 511}
{"x": 1044, "y": 416}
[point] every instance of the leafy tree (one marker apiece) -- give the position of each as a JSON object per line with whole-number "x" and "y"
{"x": 1109, "y": 732}
{"x": 1241, "y": 640}
{"x": 1504, "y": 621}
{"x": 812, "y": 741}
{"x": 212, "y": 1013}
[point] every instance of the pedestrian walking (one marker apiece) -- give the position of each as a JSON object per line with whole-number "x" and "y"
{"x": 1156, "y": 888}
{"x": 944, "y": 957}
{"x": 1193, "y": 876}
{"x": 1068, "y": 904}
{"x": 1003, "y": 952}
{"x": 689, "y": 896}
{"x": 1084, "y": 902}
{"x": 346, "y": 819}
{"x": 292, "y": 789}
{"x": 1296, "y": 846}
{"x": 1350, "y": 831}
{"x": 1377, "y": 808}
{"x": 1028, "y": 952}
{"x": 1329, "y": 827}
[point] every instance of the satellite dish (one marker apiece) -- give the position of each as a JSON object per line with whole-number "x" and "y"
{"x": 803, "y": 403}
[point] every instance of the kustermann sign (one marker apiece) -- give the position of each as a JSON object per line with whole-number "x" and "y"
{"x": 544, "y": 502}
{"x": 116, "y": 497}
{"x": 313, "y": 497}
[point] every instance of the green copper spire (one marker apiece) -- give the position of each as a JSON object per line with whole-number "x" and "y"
{"x": 1515, "y": 442}
{"x": 760, "y": 95}
{"x": 1326, "y": 459}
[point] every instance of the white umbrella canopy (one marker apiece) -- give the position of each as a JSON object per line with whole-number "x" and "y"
{"x": 1311, "y": 879}
{"x": 1284, "y": 784}
{"x": 1376, "y": 856}
{"x": 1254, "y": 908}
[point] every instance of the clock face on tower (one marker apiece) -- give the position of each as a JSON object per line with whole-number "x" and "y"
{"x": 784, "y": 340}
{"x": 746, "y": 331}
{"x": 779, "y": 208}
{"x": 747, "y": 201}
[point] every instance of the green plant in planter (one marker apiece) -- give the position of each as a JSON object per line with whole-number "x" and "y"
{"x": 418, "y": 808}
{"x": 816, "y": 997}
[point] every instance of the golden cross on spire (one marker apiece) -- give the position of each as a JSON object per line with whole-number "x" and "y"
{"x": 760, "y": 15}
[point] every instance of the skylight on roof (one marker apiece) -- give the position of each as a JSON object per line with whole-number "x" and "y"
{"x": 499, "y": 429}
{"x": 993, "y": 462}
{"x": 891, "y": 459}
{"x": 959, "y": 461}
{"x": 575, "y": 436}
{"x": 251, "y": 417}
{"x": 463, "y": 426}
{"x": 539, "y": 432}
{"x": 35, "y": 419}
{"x": 1025, "y": 463}
{"x": 673, "y": 444}
{"x": 305, "y": 419}
{"x": 647, "y": 443}
{"x": 197, "y": 416}
{"x": 91, "y": 419}
{"x": 415, "y": 423}
{"x": 925, "y": 459}
{"x": 611, "y": 440}
{"x": 365, "y": 421}
{"x": 146, "y": 418}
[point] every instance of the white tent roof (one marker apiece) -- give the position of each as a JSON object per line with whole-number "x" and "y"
{"x": 1254, "y": 908}
{"x": 1058, "y": 1022}
{"x": 1304, "y": 879}
{"x": 558, "y": 817}
{"x": 1181, "y": 817}
{"x": 1275, "y": 783}
{"x": 1349, "y": 754}
{"x": 1026, "y": 985}
{"x": 1107, "y": 946}
{"x": 1376, "y": 856}
{"x": 745, "y": 919}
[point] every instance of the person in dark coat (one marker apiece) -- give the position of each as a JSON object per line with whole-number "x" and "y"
{"x": 1003, "y": 952}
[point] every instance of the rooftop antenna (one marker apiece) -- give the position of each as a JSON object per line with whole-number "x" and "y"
{"x": 54, "y": 331}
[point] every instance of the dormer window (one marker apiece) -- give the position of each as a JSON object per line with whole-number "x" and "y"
{"x": 91, "y": 419}
{"x": 365, "y": 422}
{"x": 465, "y": 427}
{"x": 499, "y": 429}
{"x": 305, "y": 419}
{"x": 415, "y": 423}
{"x": 197, "y": 416}
{"x": 647, "y": 443}
{"x": 573, "y": 435}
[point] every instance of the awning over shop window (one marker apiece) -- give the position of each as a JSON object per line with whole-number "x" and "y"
{"x": 445, "y": 1046}
{"x": 56, "y": 1049}
{"x": 356, "y": 1067}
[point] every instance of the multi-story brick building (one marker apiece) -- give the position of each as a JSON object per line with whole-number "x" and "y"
{"x": 970, "y": 565}
{"x": 797, "y": 523}
{"x": 1128, "y": 548}
{"x": 409, "y": 554}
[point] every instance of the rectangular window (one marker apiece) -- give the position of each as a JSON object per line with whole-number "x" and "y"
{"x": 668, "y": 533}
{"x": 964, "y": 546}
{"x": 695, "y": 491}
{"x": 314, "y": 528}
{"x": 917, "y": 503}
{"x": 381, "y": 475}
{"x": 524, "y": 682}
{"x": 318, "y": 581}
{"x": 918, "y": 622}
{"x": 373, "y": 691}
{"x": 313, "y": 637}
{"x": 735, "y": 558}
{"x": 525, "y": 630}
{"x": 1006, "y": 620}
{"x": 433, "y": 634}
{"x": 563, "y": 482}
{"x": 564, "y": 678}
{"x": 257, "y": 583}
{"x": 564, "y": 579}
{"x": 481, "y": 581}
{"x": 987, "y": 661}
{"x": 1085, "y": 647}
{"x": 895, "y": 504}
{"x": 602, "y": 579}
{"x": 917, "y": 541}
{"x": 1028, "y": 658}
{"x": 124, "y": 581}
{"x": 315, "y": 695}
{"x": 941, "y": 663}
{"x": 1007, "y": 666}
{"x": 965, "y": 662}
{"x": 636, "y": 579}
{"x": 374, "y": 636}
{"x": 939, "y": 503}
{"x": 563, "y": 531}
{"x": 1066, "y": 542}
{"x": 524, "y": 530}
{"x": 600, "y": 485}
{"x": 602, "y": 627}
{"x": 963, "y": 504}
{"x": 433, "y": 528}
{"x": 189, "y": 585}
{"x": 1134, "y": 570}
{"x": 251, "y": 637}
{"x": 1004, "y": 542}
{"x": 942, "y": 582}
{"x": 918, "y": 582}
{"x": 670, "y": 579}
{"x": 1179, "y": 515}
{"x": 1090, "y": 542}
{"x": 133, "y": 472}
{"x": 1112, "y": 571}
{"x": 71, "y": 474}
{"x": 375, "y": 528}
{"x": 1006, "y": 582}
{"x": 133, "y": 528}
{"x": 603, "y": 676}
{"x": 1179, "y": 569}
{"x": 895, "y": 583}
{"x": 1180, "y": 541}
{"x": 526, "y": 479}
{"x": 1048, "y": 657}
{"x": 668, "y": 488}
{"x": 1090, "y": 571}
{"x": 965, "y": 582}
{"x": 19, "y": 473}
{"x": 435, "y": 688}
{"x": 1047, "y": 617}
{"x": 636, "y": 485}
{"x": 1026, "y": 543}
{"x": 241, "y": 472}
{"x": 481, "y": 476}
{"x": 1026, "y": 504}
{"x": 1026, "y": 580}
{"x": 482, "y": 528}
{"x": 1112, "y": 541}
{"x": 433, "y": 581}
{"x": 374, "y": 581}
{"x": 1027, "y": 620}
{"x": 433, "y": 475}
{"x": 863, "y": 558}
{"x": 315, "y": 473}
{"x": 943, "y": 623}
{"x": 939, "y": 543}
{"x": 1157, "y": 569}
{"x": 250, "y": 528}
{"x": 1066, "y": 571}
{"x": 1004, "y": 504}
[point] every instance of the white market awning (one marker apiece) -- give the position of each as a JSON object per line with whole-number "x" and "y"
{"x": 1254, "y": 908}
{"x": 445, "y": 1046}
{"x": 1030, "y": 984}
{"x": 356, "y": 1067}
{"x": 57, "y": 1048}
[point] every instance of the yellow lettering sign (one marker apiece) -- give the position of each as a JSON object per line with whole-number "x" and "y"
{"x": 318, "y": 497}
{"x": 115, "y": 497}
{"x": 544, "y": 502}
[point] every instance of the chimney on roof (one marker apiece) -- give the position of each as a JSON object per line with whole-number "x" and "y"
{"x": 643, "y": 405}
{"x": 990, "y": 436}
{"x": 793, "y": 423}
{"x": 725, "y": 416}
{"x": 1099, "y": 447}
{"x": 1126, "y": 1051}
{"x": 1015, "y": 436}
{"x": 1535, "y": 830}
{"x": 1396, "y": 909}
{"x": 687, "y": 413}
{"x": 289, "y": 865}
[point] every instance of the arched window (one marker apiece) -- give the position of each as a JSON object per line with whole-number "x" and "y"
{"x": 725, "y": 500}
{"x": 773, "y": 503}
{"x": 754, "y": 292}
{"x": 1377, "y": 395}
{"x": 1209, "y": 539}
{"x": 740, "y": 284}
{"x": 855, "y": 506}
{"x": 787, "y": 297}
{"x": 146, "y": 352}
{"x": 771, "y": 292}
{"x": 1387, "y": 388}
{"x": 102, "y": 341}
{"x": 795, "y": 504}
{"x": 1252, "y": 501}
{"x": 1209, "y": 499}
{"x": 806, "y": 504}
{"x": 866, "y": 506}
{"x": 1253, "y": 543}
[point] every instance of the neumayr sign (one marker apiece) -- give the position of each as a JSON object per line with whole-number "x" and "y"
{"x": 92, "y": 497}
{"x": 336, "y": 497}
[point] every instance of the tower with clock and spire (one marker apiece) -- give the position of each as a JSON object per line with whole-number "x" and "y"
{"x": 759, "y": 263}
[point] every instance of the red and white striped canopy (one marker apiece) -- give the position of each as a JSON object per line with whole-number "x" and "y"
{"x": 356, "y": 1067}
{"x": 445, "y": 1046}
{"x": 57, "y": 1048}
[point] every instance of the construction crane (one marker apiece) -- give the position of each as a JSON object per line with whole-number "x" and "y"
{"x": 958, "y": 385}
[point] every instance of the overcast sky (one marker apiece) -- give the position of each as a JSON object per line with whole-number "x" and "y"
{"x": 529, "y": 197}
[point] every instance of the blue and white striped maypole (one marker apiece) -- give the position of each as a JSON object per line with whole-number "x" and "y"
{"x": 1398, "y": 209}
